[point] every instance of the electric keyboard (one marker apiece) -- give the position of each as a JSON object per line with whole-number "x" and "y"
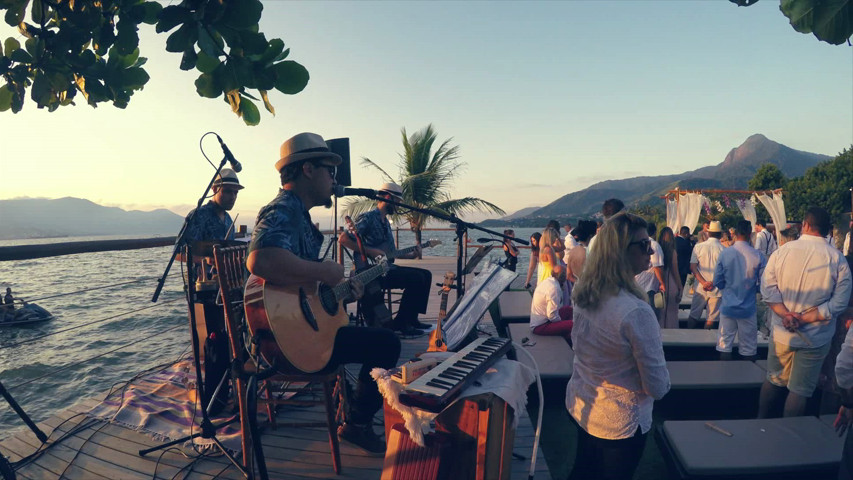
{"x": 435, "y": 389}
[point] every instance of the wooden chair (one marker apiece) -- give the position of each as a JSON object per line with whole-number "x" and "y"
{"x": 230, "y": 266}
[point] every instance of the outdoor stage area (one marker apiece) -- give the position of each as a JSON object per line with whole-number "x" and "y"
{"x": 99, "y": 450}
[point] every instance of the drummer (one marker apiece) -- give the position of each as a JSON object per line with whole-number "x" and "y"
{"x": 212, "y": 221}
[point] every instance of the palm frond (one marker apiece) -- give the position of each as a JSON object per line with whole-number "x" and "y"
{"x": 469, "y": 204}
{"x": 366, "y": 162}
{"x": 356, "y": 206}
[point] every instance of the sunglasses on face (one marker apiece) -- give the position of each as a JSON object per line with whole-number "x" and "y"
{"x": 645, "y": 244}
{"x": 332, "y": 169}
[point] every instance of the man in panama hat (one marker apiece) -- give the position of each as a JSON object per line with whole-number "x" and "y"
{"x": 378, "y": 239}
{"x": 703, "y": 262}
{"x": 285, "y": 251}
{"x": 211, "y": 220}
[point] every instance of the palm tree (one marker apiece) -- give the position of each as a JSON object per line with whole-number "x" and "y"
{"x": 425, "y": 177}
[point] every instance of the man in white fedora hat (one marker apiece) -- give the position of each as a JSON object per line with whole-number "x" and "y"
{"x": 378, "y": 239}
{"x": 285, "y": 251}
{"x": 212, "y": 221}
{"x": 702, "y": 264}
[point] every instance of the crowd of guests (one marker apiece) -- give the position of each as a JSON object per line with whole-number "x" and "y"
{"x": 609, "y": 288}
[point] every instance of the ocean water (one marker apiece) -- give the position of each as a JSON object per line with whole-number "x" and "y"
{"x": 106, "y": 328}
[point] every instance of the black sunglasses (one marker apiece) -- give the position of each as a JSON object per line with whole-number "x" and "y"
{"x": 333, "y": 169}
{"x": 645, "y": 244}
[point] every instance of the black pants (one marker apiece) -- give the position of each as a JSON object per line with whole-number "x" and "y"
{"x": 371, "y": 347}
{"x": 598, "y": 458}
{"x": 415, "y": 283}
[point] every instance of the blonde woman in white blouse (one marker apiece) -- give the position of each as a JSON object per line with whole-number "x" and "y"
{"x": 619, "y": 368}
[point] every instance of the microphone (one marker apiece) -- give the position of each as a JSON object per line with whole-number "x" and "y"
{"x": 228, "y": 155}
{"x": 341, "y": 191}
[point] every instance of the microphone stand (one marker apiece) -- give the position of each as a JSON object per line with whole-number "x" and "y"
{"x": 207, "y": 428}
{"x": 461, "y": 227}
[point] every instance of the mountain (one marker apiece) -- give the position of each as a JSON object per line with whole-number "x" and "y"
{"x": 733, "y": 173}
{"x": 42, "y": 217}
{"x": 521, "y": 213}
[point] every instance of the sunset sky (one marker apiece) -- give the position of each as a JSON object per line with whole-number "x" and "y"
{"x": 543, "y": 98}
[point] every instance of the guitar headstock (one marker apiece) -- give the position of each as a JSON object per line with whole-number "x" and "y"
{"x": 350, "y": 225}
{"x": 433, "y": 242}
{"x": 382, "y": 262}
{"x": 449, "y": 278}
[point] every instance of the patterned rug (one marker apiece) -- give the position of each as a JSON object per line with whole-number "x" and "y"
{"x": 164, "y": 404}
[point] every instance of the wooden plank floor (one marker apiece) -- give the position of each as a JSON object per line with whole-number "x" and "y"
{"x": 90, "y": 449}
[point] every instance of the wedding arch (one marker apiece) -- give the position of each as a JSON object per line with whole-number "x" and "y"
{"x": 683, "y": 207}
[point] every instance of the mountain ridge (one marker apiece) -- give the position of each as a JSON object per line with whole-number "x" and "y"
{"x": 734, "y": 172}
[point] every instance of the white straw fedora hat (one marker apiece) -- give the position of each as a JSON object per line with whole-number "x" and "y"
{"x": 228, "y": 177}
{"x": 391, "y": 188}
{"x": 305, "y": 146}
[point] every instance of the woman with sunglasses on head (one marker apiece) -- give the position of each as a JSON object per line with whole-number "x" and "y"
{"x": 619, "y": 367}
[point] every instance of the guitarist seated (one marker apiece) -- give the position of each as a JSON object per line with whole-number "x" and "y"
{"x": 284, "y": 251}
{"x": 378, "y": 239}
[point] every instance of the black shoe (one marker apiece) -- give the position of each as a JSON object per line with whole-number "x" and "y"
{"x": 421, "y": 325}
{"x": 409, "y": 332}
{"x": 363, "y": 437}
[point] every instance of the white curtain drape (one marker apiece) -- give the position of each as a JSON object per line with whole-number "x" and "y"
{"x": 690, "y": 208}
{"x": 747, "y": 209}
{"x": 672, "y": 218}
{"x": 776, "y": 207}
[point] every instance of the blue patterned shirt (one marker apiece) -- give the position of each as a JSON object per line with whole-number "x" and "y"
{"x": 374, "y": 231}
{"x": 208, "y": 226}
{"x": 285, "y": 223}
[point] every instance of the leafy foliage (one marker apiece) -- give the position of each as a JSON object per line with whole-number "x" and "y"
{"x": 425, "y": 176}
{"x": 831, "y": 21}
{"x": 768, "y": 177}
{"x": 92, "y": 47}
{"x": 825, "y": 185}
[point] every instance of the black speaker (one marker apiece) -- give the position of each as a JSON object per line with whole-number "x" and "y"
{"x": 341, "y": 147}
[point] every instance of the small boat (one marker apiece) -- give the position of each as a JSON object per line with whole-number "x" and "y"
{"x": 26, "y": 314}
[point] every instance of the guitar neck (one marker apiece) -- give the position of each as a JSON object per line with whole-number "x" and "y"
{"x": 341, "y": 290}
{"x": 407, "y": 250}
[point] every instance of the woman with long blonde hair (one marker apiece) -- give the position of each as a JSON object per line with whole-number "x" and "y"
{"x": 619, "y": 369}
{"x": 549, "y": 257}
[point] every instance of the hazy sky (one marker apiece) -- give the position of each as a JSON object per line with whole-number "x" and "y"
{"x": 543, "y": 98}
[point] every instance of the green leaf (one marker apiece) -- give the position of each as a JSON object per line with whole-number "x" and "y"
{"x": 127, "y": 61}
{"x": 172, "y": 16}
{"x": 283, "y": 55}
{"x": 274, "y": 49}
{"x": 189, "y": 59}
{"x": 151, "y": 12}
{"x": 10, "y": 45}
{"x": 243, "y": 72}
{"x": 183, "y": 38}
{"x": 831, "y": 21}
{"x": 250, "y": 113}
{"x": 128, "y": 38}
{"x": 133, "y": 78}
{"x": 37, "y": 12}
{"x": 15, "y": 14}
{"x": 206, "y": 63}
{"x": 207, "y": 87}
{"x": 209, "y": 41}
{"x": 254, "y": 43}
{"x": 243, "y": 14}
{"x": 31, "y": 45}
{"x": 21, "y": 56}
{"x": 267, "y": 103}
{"x": 5, "y": 98}
{"x": 40, "y": 91}
{"x": 226, "y": 77}
{"x": 291, "y": 77}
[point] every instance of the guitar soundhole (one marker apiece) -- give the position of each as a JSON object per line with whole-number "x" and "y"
{"x": 327, "y": 299}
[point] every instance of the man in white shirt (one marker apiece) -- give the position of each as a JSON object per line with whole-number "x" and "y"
{"x": 807, "y": 286}
{"x": 845, "y": 249}
{"x": 737, "y": 275}
{"x": 765, "y": 242}
{"x": 548, "y": 315}
{"x": 702, "y": 264}
{"x": 570, "y": 242}
{"x": 651, "y": 281}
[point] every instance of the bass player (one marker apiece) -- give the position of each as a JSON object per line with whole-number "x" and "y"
{"x": 285, "y": 251}
{"x": 378, "y": 239}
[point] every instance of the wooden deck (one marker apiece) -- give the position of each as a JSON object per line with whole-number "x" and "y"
{"x": 91, "y": 449}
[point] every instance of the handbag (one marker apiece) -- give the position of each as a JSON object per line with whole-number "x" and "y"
{"x": 659, "y": 300}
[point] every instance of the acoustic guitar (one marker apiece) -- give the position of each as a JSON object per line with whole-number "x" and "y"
{"x": 372, "y": 305}
{"x": 436, "y": 338}
{"x": 303, "y": 319}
